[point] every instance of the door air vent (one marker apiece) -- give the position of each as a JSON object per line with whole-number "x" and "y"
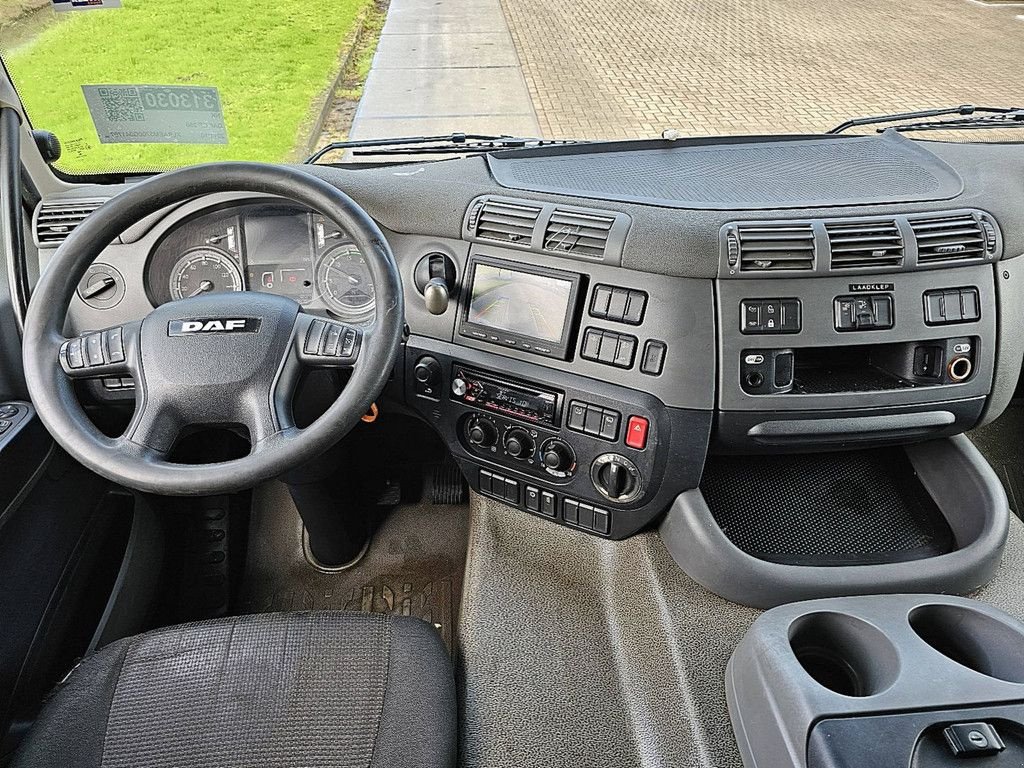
{"x": 577, "y": 232}
{"x": 864, "y": 244}
{"x": 775, "y": 247}
{"x": 54, "y": 221}
{"x": 958, "y": 237}
{"x": 502, "y": 221}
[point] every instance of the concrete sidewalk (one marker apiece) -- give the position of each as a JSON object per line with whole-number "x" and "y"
{"x": 444, "y": 66}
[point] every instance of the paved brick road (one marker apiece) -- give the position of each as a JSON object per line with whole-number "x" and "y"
{"x": 629, "y": 68}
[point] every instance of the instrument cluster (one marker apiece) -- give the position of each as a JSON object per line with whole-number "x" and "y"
{"x": 270, "y": 247}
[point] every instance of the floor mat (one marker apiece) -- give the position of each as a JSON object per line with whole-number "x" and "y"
{"x": 579, "y": 651}
{"x": 414, "y": 566}
{"x": 1002, "y": 443}
{"x": 849, "y": 508}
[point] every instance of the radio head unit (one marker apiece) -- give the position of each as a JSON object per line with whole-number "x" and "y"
{"x": 528, "y": 308}
{"x": 518, "y": 400}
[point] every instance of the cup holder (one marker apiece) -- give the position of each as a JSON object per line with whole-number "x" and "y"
{"x": 844, "y": 654}
{"x": 972, "y": 639}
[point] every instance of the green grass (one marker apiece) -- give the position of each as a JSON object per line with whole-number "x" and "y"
{"x": 270, "y": 60}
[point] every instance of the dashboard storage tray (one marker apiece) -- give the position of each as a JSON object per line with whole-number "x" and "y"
{"x": 933, "y": 519}
{"x": 827, "y": 509}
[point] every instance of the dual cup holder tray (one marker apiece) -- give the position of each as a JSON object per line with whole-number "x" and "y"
{"x": 879, "y": 681}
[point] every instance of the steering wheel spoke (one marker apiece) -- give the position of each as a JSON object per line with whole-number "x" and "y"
{"x": 109, "y": 352}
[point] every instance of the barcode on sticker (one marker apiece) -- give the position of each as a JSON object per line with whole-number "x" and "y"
{"x": 123, "y": 105}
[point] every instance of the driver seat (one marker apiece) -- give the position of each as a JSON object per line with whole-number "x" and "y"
{"x": 288, "y": 689}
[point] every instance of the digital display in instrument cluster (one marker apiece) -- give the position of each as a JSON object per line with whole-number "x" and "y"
{"x": 279, "y": 250}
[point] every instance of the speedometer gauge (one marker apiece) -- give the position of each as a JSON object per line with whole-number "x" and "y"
{"x": 343, "y": 280}
{"x": 204, "y": 270}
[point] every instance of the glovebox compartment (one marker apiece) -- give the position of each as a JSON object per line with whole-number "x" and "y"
{"x": 875, "y": 681}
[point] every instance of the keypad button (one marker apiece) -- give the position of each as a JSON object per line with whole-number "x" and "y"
{"x": 531, "y": 498}
{"x": 609, "y": 347}
{"x": 634, "y": 314}
{"x": 609, "y": 425}
{"x": 595, "y": 416}
{"x": 75, "y": 356}
{"x": 591, "y": 344}
{"x": 599, "y": 304}
{"x": 94, "y": 349}
{"x": 577, "y": 415}
{"x": 625, "y": 352}
{"x": 653, "y": 360}
{"x": 617, "y": 304}
{"x": 570, "y": 511}
{"x": 547, "y": 503}
{"x": 314, "y": 336}
{"x": 115, "y": 345}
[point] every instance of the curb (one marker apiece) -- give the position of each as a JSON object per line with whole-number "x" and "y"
{"x": 326, "y": 99}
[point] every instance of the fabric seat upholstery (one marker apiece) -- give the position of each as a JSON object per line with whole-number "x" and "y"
{"x": 314, "y": 689}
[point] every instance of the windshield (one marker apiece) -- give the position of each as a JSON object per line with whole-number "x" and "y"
{"x": 140, "y": 85}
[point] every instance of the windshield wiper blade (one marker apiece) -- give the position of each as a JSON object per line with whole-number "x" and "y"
{"x": 1013, "y": 119}
{"x": 899, "y": 117}
{"x": 453, "y": 143}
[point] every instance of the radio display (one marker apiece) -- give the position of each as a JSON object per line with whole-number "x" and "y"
{"x": 524, "y": 303}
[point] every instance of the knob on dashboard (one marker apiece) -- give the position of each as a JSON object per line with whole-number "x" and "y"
{"x": 427, "y": 371}
{"x": 518, "y": 443}
{"x": 616, "y": 477}
{"x": 459, "y": 387}
{"x": 481, "y": 432}
{"x": 557, "y": 456}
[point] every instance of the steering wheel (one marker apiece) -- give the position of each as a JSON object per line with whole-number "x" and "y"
{"x": 217, "y": 359}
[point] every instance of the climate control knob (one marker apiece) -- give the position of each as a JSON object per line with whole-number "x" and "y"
{"x": 557, "y": 456}
{"x": 519, "y": 444}
{"x": 481, "y": 432}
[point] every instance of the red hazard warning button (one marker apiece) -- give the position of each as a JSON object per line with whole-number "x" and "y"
{"x": 636, "y": 432}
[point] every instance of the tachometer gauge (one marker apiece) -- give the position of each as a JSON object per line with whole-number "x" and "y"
{"x": 343, "y": 280}
{"x": 204, "y": 270}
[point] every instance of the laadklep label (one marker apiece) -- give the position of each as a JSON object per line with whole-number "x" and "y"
{"x": 84, "y": 5}
{"x": 871, "y": 287}
{"x": 156, "y": 114}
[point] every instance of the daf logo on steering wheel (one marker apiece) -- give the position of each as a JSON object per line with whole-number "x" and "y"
{"x": 214, "y": 325}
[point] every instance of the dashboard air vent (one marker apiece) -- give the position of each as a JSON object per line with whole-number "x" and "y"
{"x": 949, "y": 238}
{"x": 577, "y": 232}
{"x": 505, "y": 222}
{"x": 775, "y": 247}
{"x": 864, "y": 244}
{"x": 54, "y": 221}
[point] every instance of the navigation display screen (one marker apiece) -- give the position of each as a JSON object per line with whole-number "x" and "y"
{"x": 517, "y": 302}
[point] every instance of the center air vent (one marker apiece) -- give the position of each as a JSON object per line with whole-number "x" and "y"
{"x": 54, "y": 221}
{"x": 864, "y": 244}
{"x": 577, "y": 232}
{"x": 775, "y": 247}
{"x": 504, "y": 222}
{"x": 949, "y": 238}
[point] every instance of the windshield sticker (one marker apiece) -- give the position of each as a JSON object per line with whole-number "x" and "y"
{"x": 156, "y": 114}
{"x": 84, "y": 5}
